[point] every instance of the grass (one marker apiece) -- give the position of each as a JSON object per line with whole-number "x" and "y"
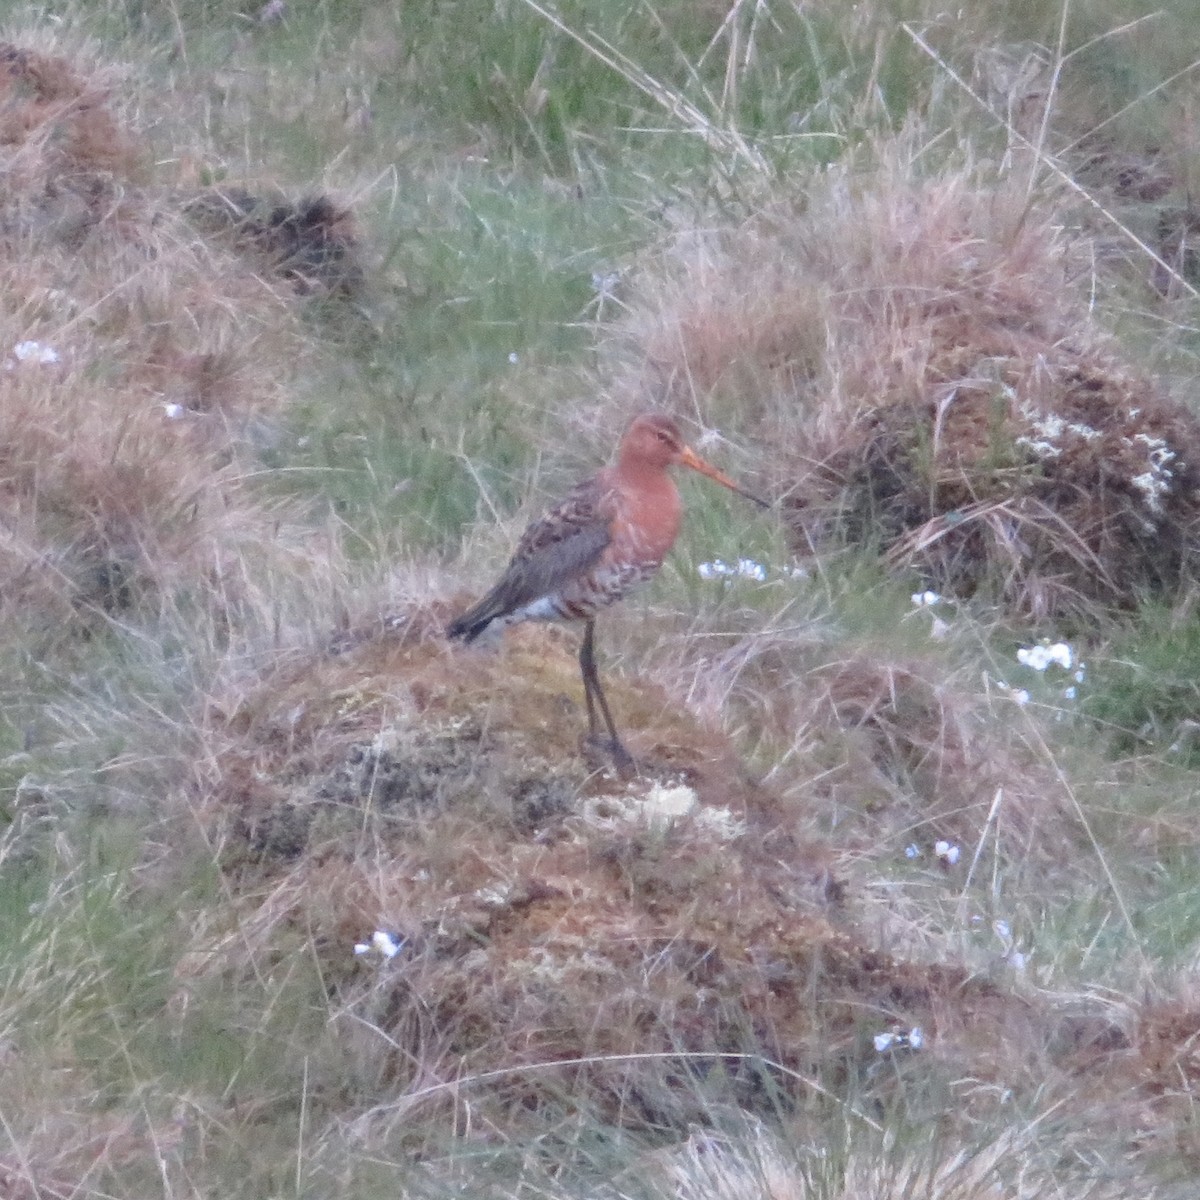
{"x": 238, "y": 512}
{"x": 1141, "y": 689}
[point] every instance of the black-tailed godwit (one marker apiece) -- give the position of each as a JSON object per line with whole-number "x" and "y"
{"x": 610, "y": 534}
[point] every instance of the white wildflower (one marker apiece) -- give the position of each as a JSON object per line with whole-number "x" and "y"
{"x": 513, "y": 357}
{"x": 661, "y": 804}
{"x": 926, "y": 599}
{"x": 604, "y": 283}
{"x": 1060, "y": 653}
{"x": 1037, "y": 657}
{"x": 1048, "y": 432}
{"x": 948, "y": 852}
{"x": 1053, "y": 427}
{"x": 899, "y": 1039}
{"x": 1042, "y": 656}
{"x": 1018, "y": 696}
{"x": 1153, "y": 488}
{"x": 1014, "y": 957}
{"x": 745, "y": 568}
{"x": 721, "y": 822}
{"x": 35, "y": 352}
{"x": 1155, "y": 483}
{"x": 382, "y": 943}
{"x": 385, "y": 943}
{"x": 493, "y": 897}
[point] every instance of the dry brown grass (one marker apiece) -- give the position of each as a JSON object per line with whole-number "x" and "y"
{"x": 69, "y": 155}
{"x": 1136, "y": 161}
{"x": 917, "y": 363}
{"x": 549, "y": 913}
{"x": 124, "y": 460}
{"x": 756, "y": 1164}
{"x": 78, "y": 1154}
{"x": 888, "y": 748}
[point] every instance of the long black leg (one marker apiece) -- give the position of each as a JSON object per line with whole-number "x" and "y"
{"x": 594, "y": 695}
{"x": 587, "y": 668}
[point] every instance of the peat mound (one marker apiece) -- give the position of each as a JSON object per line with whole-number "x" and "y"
{"x": 503, "y": 929}
{"x": 312, "y": 242}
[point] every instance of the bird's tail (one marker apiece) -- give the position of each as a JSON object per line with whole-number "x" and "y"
{"x": 474, "y": 621}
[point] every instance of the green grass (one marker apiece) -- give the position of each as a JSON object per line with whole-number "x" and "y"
{"x": 1142, "y": 690}
{"x": 486, "y": 296}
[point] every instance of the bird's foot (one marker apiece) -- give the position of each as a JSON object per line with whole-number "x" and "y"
{"x": 600, "y": 750}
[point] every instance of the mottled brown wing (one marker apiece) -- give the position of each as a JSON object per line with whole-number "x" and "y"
{"x": 563, "y": 544}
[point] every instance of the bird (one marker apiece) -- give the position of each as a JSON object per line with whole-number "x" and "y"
{"x": 609, "y": 534}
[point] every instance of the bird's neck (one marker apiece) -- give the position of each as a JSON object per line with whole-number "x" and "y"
{"x": 650, "y": 504}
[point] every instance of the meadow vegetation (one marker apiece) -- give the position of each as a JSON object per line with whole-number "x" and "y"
{"x": 307, "y": 308}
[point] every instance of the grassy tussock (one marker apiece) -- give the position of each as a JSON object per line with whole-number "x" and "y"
{"x": 518, "y": 886}
{"x": 932, "y": 754}
{"x": 126, "y": 455}
{"x": 919, "y": 364}
{"x": 72, "y": 147}
{"x": 890, "y": 744}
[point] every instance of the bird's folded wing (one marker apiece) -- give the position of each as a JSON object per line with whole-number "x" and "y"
{"x": 556, "y": 549}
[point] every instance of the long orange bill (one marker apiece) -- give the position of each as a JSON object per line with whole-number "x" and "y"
{"x": 689, "y": 458}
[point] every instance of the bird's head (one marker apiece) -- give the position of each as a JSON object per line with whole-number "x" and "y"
{"x": 654, "y": 441}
